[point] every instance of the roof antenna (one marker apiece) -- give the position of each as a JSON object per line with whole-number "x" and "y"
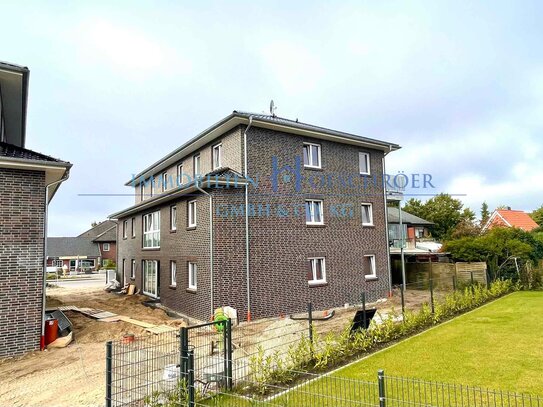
{"x": 272, "y": 108}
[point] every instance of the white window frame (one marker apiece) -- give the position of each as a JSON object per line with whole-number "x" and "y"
{"x": 104, "y": 245}
{"x": 193, "y": 275}
{"x": 125, "y": 229}
{"x": 173, "y": 273}
{"x": 372, "y": 276}
{"x": 180, "y": 174}
{"x": 196, "y": 171}
{"x": 217, "y": 161}
{"x": 133, "y": 224}
{"x": 164, "y": 181}
{"x": 313, "y": 263}
{"x": 367, "y": 161}
{"x": 370, "y": 206}
{"x": 58, "y": 263}
{"x": 311, "y": 220}
{"x": 144, "y": 279}
{"x": 310, "y": 155}
{"x": 192, "y": 214}
{"x": 152, "y": 186}
{"x": 124, "y": 268}
{"x": 173, "y": 217}
{"x": 153, "y": 219}
{"x": 133, "y": 269}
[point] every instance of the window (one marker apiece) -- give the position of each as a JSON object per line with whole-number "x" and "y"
{"x": 124, "y": 268}
{"x": 105, "y": 246}
{"x": 364, "y": 164}
{"x": 196, "y": 165}
{"x": 312, "y": 155}
{"x": 152, "y": 186}
{"x": 151, "y": 230}
{"x": 192, "y": 214}
{"x": 217, "y": 156}
{"x": 125, "y": 227}
{"x": 369, "y": 267}
{"x": 150, "y": 278}
{"x": 313, "y": 212}
{"x": 173, "y": 217}
{"x": 180, "y": 174}
{"x": 164, "y": 181}
{"x": 133, "y": 269}
{"x": 57, "y": 263}
{"x": 173, "y": 273}
{"x": 367, "y": 214}
{"x": 133, "y": 221}
{"x": 317, "y": 271}
{"x": 193, "y": 275}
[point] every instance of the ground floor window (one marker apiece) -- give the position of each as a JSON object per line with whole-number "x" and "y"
{"x": 57, "y": 263}
{"x": 150, "y": 278}
{"x": 317, "y": 271}
{"x": 193, "y": 276}
{"x": 369, "y": 267}
{"x": 173, "y": 273}
{"x": 133, "y": 269}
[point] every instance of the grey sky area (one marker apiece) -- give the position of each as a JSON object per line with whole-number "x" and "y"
{"x": 116, "y": 85}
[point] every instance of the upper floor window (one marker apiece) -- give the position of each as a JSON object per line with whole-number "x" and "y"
{"x": 317, "y": 271}
{"x": 133, "y": 221}
{"x": 151, "y": 230}
{"x": 196, "y": 165}
{"x": 364, "y": 164}
{"x": 105, "y": 246}
{"x": 370, "y": 271}
{"x": 180, "y": 174}
{"x": 152, "y": 186}
{"x": 164, "y": 181}
{"x": 367, "y": 214}
{"x": 217, "y": 156}
{"x": 125, "y": 229}
{"x": 192, "y": 214}
{"x": 312, "y": 155}
{"x": 173, "y": 217}
{"x": 314, "y": 212}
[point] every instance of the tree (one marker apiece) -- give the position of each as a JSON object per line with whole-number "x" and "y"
{"x": 537, "y": 215}
{"x": 485, "y": 214}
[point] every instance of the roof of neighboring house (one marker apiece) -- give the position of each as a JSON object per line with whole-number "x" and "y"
{"x": 12, "y": 151}
{"x": 258, "y": 120}
{"x": 109, "y": 235}
{"x": 71, "y": 246}
{"x": 407, "y": 218}
{"x": 99, "y": 229}
{"x": 511, "y": 218}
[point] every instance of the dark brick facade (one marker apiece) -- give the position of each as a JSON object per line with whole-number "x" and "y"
{"x": 22, "y": 204}
{"x": 280, "y": 240}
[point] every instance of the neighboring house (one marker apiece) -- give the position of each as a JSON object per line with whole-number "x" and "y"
{"x": 511, "y": 219}
{"x": 86, "y": 251}
{"x": 104, "y": 235}
{"x": 28, "y": 182}
{"x": 196, "y": 248}
{"x": 76, "y": 253}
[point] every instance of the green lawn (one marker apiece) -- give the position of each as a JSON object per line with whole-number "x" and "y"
{"x": 499, "y": 346}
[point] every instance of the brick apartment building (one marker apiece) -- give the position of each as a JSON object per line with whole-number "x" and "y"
{"x": 28, "y": 182}
{"x": 315, "y": 229}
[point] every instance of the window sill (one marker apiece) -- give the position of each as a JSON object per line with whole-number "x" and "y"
{"x": 307, "y": 167}
{"x": 133, "y": 237}
{"x": 173, "y": 287}
{"x": 191, "y": 290}
{"x": 191, "y": 227}
{"x": 371, "y": 278}
{"x": 173, "y": 230}
{"x": 150, "y": 249}
{"x": 368, "y": 225}
{"x": 318, "y": 284}
{"x": 315, "y": 225}
{"x": 133, "y": 278}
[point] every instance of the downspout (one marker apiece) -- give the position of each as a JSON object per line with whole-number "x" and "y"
{"x": 245, "y": 172}
{"x": 386, "y": 222}
{"x": 210, "y": 244}
{"x": 64, "y": 178}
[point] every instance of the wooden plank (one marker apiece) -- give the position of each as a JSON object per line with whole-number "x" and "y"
{"x": 104, "y": 314}
{"x": 115, "y": 318}
{"x": 159, "y": 329}
{"x": 136, "y": 322}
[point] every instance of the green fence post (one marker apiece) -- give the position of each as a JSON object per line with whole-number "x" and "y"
{"x": 364, "y": 308}
{"x": 183, "y": 351}
{"x": 381, "y": 381}
{"x": 402, "y": 289}
{"x": 454, "y": 283}
{"x": 472, "y": 282}
{"x": 432, "y": 295}
{"x": 229, "y": 353}
{"x": 190, "y": 385}
{"x": 109, "y": 349}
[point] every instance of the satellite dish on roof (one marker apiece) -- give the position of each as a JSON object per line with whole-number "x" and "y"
{"x": 272, "y": 108}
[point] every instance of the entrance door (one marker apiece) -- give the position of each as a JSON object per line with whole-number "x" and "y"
{"x": 150, "y": 278}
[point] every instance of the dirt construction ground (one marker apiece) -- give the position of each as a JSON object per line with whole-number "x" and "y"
{"x": 75, "y": 376}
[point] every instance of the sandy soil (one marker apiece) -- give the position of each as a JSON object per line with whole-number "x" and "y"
{"x": 74, "y": 376}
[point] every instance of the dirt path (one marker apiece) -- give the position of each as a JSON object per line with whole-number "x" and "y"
{"x": 74, "y": 376}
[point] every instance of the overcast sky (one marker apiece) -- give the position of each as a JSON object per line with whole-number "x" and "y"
{"x": 114, "y": 86}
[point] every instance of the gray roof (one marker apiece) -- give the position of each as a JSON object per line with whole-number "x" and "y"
{"x": 109, "y": 235}
{"x": 12, "y": 151}
{"x": 72, "y": 246}
{"x": 99, "y": 229}
{"x": 407, "y": 218}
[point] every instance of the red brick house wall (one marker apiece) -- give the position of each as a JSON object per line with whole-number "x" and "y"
{"x": 111, "y": 254}
{"x": 22, "y": 205}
